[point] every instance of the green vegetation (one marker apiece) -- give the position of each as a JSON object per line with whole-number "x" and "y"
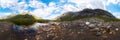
{"x": 69, "y": 18}
{"x": 108, "y": 19}
{"x": 1, "y": 20}
{"x": 42, "y": 21}
{"x": 22, "y": 19}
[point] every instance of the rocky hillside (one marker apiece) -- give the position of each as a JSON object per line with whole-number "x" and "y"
{"x": 84, "y": 14}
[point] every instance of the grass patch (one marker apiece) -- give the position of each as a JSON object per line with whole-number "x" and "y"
{"x": 22, "y": 19}
{"x": 43, "y": 21}
{"x": 2, "y": 20}
{"x": 69, "y": 18}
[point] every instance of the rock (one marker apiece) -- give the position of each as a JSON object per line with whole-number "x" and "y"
{"x": 92, "y": 26}
{"x": 116, "y": 29}
{"x": 2, "y": 30}
{"x": 87, "y": 23}
{"x": 108, "y": 26}
{"x": 112, "y": 32}
{"x": 97, "y": 28}
{"x": 104, "y": 36}
{"x": 98, "y": 33}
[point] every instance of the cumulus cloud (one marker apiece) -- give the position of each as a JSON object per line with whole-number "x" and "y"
{"x": 117, "y": 14}
{"x": 21, "y": 7}
{"x": 90, "y": 3}
{"x": 52, "y": 17}
{"x": 43, "y": 12}
{"x": 37, "y": 4}
{"x": 40, "y": 12}
{"x": 3, "y": 15}
{"x": 69, "y": 7}
{"x": 113, "y": 1}
{"x": 7, "y": 3}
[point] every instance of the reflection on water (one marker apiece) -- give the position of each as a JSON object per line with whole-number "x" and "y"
{"x": 36, "y": 25}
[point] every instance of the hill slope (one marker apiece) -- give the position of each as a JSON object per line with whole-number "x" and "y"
{"x": 86, "y": 13}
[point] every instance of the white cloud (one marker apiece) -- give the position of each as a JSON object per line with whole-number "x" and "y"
{"x": 37, "y": 4}
{"x": 4, "y": 15}
{"x": 7, "y": 13}
{"x": 14, "y": 5}
{"x": 118, "y": 17}
{"x": 53, "y": 16}
{"x": 89, "y": 3}
{"x": 7, "y": 3}
{"x": 113, "y": 1}
{"x": 51, "y": 4}
{"x": 116, "y": 14}
{"x": 43, "y": 12}
{"x": 39, "y": 13}
{"x": 21, "y": 7}
{"x": 69, "y": 7}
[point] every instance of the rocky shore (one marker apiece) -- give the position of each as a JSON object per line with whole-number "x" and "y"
{"x": 84, "y": 29}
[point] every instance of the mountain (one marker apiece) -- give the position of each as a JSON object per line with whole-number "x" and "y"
{"x": 85, "y": 13}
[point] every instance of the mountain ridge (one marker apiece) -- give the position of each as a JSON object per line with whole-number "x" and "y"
{"x": 86, "y": 13}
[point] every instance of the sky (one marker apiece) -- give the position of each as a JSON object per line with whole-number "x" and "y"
{"x": 49, "y": 9}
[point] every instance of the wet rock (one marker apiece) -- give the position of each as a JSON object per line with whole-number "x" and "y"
{"x": 87, "y": 23}
{"x": 116, "y": 29}
{"x": 92, "y": 26}
{"x": 98, "y": 33}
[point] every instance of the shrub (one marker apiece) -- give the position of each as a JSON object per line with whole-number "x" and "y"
{"x": 42, "y": 21}
{"x": 22, "y": 19}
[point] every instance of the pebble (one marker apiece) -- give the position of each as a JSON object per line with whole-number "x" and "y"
{"x": 66, "y": 29}
{"x": 87, "y": 23}
{"x": 98, "y": 34}
{"x": 79, "y": 32}
{"x": 25, "y": 39}
{"x": 2, "y": 30}
{"x": 105, "y": 36}
{"x": 108, "y": 26}
{"x": 97, "y": 28}
{"x": 92, "y": 26}
{"x": 116, "y": 29}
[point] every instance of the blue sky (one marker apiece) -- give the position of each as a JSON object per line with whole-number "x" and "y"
{"x": 49, "y": 9}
